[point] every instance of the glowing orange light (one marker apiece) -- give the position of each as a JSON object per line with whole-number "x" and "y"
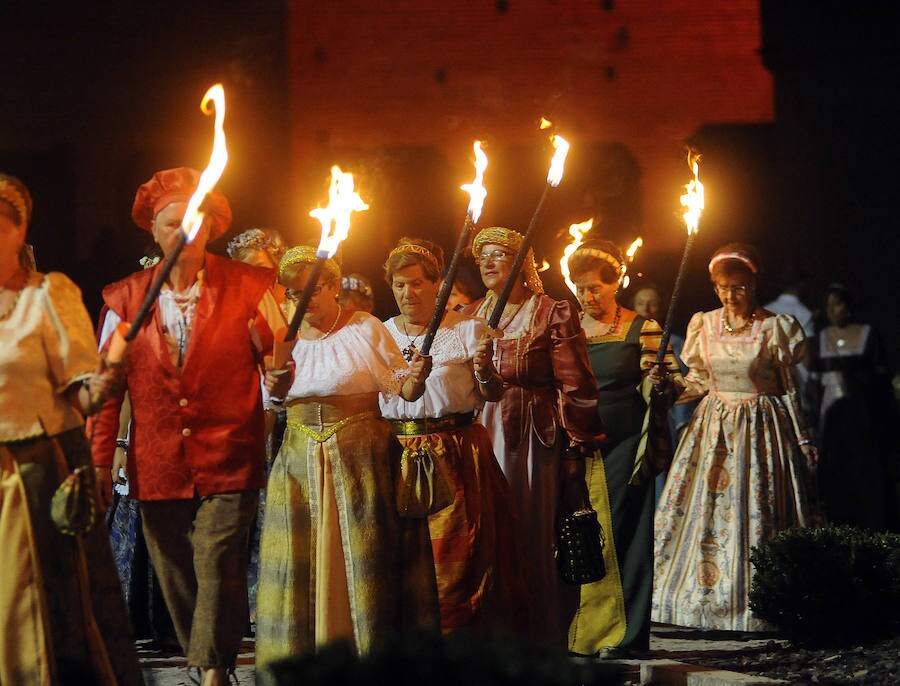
{"x": 693, "y": 200}
{"x": 193, "y": 216}
{"x": 476, "y": 190}
{"x": 558, "y": 163}
{"x": 335, "y": 218}
{"x": 577, "y": 232}
{"x": 544, "y": 266}
{"x": 629, "y": 258}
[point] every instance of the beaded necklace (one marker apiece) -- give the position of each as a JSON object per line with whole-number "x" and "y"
{"x": 610, "y": 328}
{"x": 734, "y": 331}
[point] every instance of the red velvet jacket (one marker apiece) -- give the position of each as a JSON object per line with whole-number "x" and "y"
{"x": 200, "y": 430}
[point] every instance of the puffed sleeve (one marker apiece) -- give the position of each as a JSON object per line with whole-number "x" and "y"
{"x": 696, "y": 381}
{"x": 788, "y": 341}
{"x": 651, "y": 337}
{"x": 68, "y": 335}
{"x": 388, "y": 366}
{"x": 787, "y": 345}
{"x": 574, "y": 379}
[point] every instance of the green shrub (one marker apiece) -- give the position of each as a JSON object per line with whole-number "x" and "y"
{"x": 831, "y": 585}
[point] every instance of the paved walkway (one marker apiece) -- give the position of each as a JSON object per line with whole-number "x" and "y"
{"x": 663, "y": 664}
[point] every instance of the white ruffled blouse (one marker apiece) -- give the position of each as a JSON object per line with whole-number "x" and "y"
{"x": 450, "y": 387}
{"x": 360, "y": 357}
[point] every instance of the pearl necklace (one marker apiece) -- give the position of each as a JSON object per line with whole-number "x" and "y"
{"x": 734, "y": 331}
{"x": 333, "y": 324}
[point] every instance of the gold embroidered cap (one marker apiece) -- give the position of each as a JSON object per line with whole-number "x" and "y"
{"x": 508, "y": 238}
{"x": 306, "y": 254}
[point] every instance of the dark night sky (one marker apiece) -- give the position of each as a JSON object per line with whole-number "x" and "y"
{"x": 818, "y": 186}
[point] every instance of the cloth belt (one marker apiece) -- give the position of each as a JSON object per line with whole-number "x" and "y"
{"x": 331, "y": 430}
{"x": 431, "y": 425}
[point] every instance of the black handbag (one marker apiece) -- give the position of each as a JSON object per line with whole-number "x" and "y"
{"x": 579, "y": 547}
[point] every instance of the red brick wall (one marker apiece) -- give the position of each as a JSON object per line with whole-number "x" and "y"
{"x": 365, "y": 77}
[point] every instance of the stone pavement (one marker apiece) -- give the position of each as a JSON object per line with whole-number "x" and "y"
{"x": 664, "y": 664}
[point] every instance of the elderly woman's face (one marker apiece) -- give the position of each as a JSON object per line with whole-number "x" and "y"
{"x": 12, "y": 237}
{"x": 415, "y": 293}
{"x": 323, "y": 305}
{"x": 596, "y": 295}
{"x": 735, "y": 292}
{"x": 494, "y": 263}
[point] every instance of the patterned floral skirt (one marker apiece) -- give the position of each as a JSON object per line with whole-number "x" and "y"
{"x": 738, "y": 478}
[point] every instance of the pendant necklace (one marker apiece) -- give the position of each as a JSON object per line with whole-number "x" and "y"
{"x": 837, "y": 340}
{"x": 410, "y": 349}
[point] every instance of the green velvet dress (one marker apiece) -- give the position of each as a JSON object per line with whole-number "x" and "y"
{"x": 620, "y": 361}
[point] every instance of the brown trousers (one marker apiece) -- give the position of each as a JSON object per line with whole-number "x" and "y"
{"x": 199, "y": 550}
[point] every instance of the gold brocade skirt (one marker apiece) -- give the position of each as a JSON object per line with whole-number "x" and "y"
{"x": 336, "y": 560}
{"x": 62, "y": 617}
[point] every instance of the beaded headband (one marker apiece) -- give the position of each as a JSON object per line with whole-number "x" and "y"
{"x": 418, "y": 250}
{"x": 499, "y": 235}
{"x": 357, "y": 285}
{"x": 740, "y": 257}
{"x": 251, "y": 239}
{"x": 306, "y": 255}
{"x": 600, "y": 254}
{"x": 11, "y": 194}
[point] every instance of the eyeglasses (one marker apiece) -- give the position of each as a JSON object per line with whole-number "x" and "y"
{"x": 733, "y": 290}
{"x": 293, "y": 294}
{"x": 496, "y": 255}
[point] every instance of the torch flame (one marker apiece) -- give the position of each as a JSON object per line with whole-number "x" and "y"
{"x": 629, "y": 258}
{"x": 193, "y": 216}
{"x": 633, "y": 248}
{"x": 545, "y": 123}
{"x": 554, "y": 176}
{"x": 577, "y": 232}
{"x": 476, "y": 189}
{"x": 335, "y": 219}
{"x": 693, "y": 199}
